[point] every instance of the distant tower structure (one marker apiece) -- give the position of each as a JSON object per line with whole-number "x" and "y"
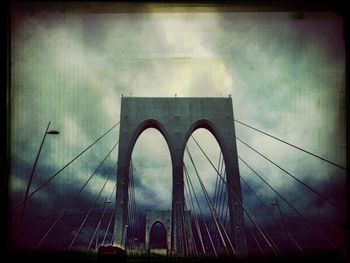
{"x": 177, "y": 119}
{"x": 153, "y": 217}
{"x": 165, "y": 218}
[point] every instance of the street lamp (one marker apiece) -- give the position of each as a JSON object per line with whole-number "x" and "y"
{"x": 282, "y": 218}
{"x": 47, "y": 131}
{"x": 53, "y": 132}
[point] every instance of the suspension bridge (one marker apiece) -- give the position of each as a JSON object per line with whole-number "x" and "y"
{"x": 205, "y": 221}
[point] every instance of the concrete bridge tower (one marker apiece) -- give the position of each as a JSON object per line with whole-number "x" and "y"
{"x": 176, "y": 119}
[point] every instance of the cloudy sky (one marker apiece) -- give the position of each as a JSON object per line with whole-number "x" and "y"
{"x": 286, "y": 76}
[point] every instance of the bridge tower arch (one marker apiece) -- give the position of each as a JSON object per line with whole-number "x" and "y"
{"x": 154, "y": 216}
{"x": 176, "y": 119}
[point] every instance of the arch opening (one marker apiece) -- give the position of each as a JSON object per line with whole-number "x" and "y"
{"x": 152, "y": 170}
{"x": 152, "y": 174}
{"x": 206, "y": 172}
{"x": 146, "y": 127}
{"x": 214, "y": 187}
{"x": 158, "y": 236}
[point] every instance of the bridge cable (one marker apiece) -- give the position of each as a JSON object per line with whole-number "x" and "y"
{"x": 269, "y": 212}
{"x": 193, "y": 247}
{"x": 59, "y": 171}
{"x": 222, "y": 208}
{"x": 179, "y": 219}
{"x": 99, "y": 222}
{"x": 221, "y": 192}
{"x": 290, "y": 205}
{"x": 257, "y": 242}
{"x": 295, "y": 178}
{"x": 226, "y": 221}
{"x": 190, "y": 198}
{"x": 223, "y": 201}
{"x": 217, "y": 180}
{"x": 134, "y": 203}
{"x": 199, "y": 233}
{"x": 200, "y": 210}
{"x": 129, "y": 214}
{"x": 131, "y": 208}
{"x": 296, "y": 147}
{"x": 98, "y": 226}
{"x": 177, "y": 226}
{"x": 185, "y": 223}
{"x": 212, "y": 210}
{"x": 92, "y": 207}
{"x": 220, "y": 189}
{"x": 216, "y": 189}
{"x": 108, "y": 226}
{"x": 133, "y": 196}
{"x": 217, "y": 185}
{"x": 222, "y": 197}
{"x": 74, "y": 199}
{"x": 259, "y": 228}
{"x": 184, "y": 232}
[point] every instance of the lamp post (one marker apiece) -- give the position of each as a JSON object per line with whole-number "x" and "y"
{"x": 282, "y": 218}
{"x": 53, "y": 132}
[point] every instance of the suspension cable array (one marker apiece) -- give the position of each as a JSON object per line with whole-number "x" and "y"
{"x": 288, "y": 173}
{"x": 287, "y": 143}
{"x": 132, "y": 216}
{"x": 108, "y": 226}
{"x": 196, "y": 221}
{"x": 263, "y": 233}
{"x": 92, "y": 208}
{"x": 211, "y": 226}
{"x": 60, "y": 170}
{"x": 224, "y": 238}
{"x": 100, "y": 220}
{"x": 289, "y": 236}
{"x": 290, "y": 205}
{"x": 73, "y": 200}
{"x": 190, "y": 187}
{"x": 312, "y": 226}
